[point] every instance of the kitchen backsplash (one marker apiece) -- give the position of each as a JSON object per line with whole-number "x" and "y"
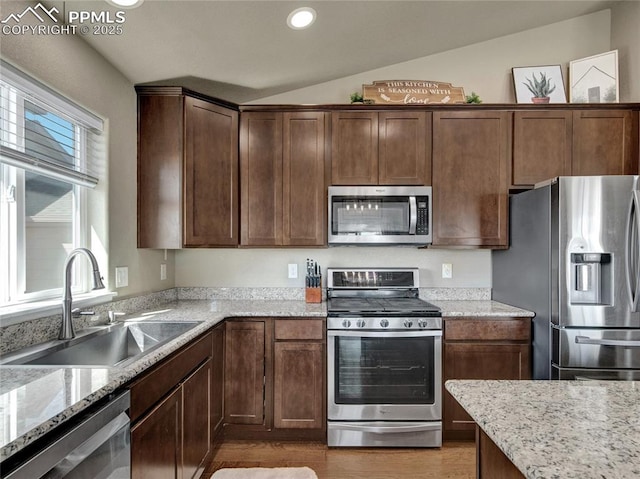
{"x": 27, "y": 333}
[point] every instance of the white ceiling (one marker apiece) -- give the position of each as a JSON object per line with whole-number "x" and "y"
{"x": 243, "y": 50}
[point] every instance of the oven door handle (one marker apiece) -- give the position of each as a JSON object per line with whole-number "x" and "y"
{"x": 390, "y": 429}
{"x": 385, "y": 334}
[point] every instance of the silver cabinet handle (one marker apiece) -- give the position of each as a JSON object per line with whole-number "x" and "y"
{"x": 607, "y": 342}
{"x": 413, "y": 215}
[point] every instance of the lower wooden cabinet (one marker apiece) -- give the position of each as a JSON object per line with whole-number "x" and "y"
{"x": 481, "y": 348}
{"x": 172, "y": 412}
{"x": 275, "y": 379}
{"x": 156, "y": 441}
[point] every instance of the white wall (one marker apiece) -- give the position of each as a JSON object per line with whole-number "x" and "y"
{"x": 70, "y": 66}
{"x": 625, "y": 37}
{"x": 268, "y": 267}
{"x": 483, "y": 67}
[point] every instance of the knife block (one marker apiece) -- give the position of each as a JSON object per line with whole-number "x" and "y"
{"x": 313, "y": 295}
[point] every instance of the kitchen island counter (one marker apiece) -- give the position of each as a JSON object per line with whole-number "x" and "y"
{"x": 559, "y": 429}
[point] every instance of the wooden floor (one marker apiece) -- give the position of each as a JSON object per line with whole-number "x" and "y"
{"x": 455, "y": 460}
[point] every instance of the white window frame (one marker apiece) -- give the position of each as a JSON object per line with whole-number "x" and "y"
{"x": 14, "y": 302}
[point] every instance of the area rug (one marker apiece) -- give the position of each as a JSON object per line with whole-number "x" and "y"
{"x": 265, "y": 473}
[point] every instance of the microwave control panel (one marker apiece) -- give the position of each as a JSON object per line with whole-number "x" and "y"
{"x": 422, "y": 226}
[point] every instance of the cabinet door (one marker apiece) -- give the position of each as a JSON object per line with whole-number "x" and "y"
{"x": 480, "y": 361}
{"x": 156, "y": 441}
{"x": 160, "y": 135}
{"x": 541, "y": 146}
{"x": 261, "y": 178}
{"x": 605, "y": 142}
{"x": 404, "y": 148}
{"x": 470, "y": 193}
{"x": 210, "y": 175}
{"x": 304, "y": 184}
{"x": 298, "y": 385}
{"x": 354, "y": 148}
{"x": 196, "y": 432}
{"x": 217, "y": 381}
{"x": 244, "y": 372}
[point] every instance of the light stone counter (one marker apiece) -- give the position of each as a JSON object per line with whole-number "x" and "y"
{"x": 480, "y": 309}
{"x": 559, "y": 429}
{"x": 34, "y": 399}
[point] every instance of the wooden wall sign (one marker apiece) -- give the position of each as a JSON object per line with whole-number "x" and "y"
{"x": 407, "y": 92}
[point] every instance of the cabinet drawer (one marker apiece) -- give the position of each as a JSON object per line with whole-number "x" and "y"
{"x": 149, "y": 389}
{"x": 299, "y": 329}
{"x": 468, "y": 329}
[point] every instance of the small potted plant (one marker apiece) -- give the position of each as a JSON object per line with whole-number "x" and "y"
{"x": 540, "y": 89}
{"x": 356, "y": 97}
{"x": 473, "y": 98}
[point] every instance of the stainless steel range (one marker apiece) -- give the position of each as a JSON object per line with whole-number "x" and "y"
{"x": 384, "y": 360}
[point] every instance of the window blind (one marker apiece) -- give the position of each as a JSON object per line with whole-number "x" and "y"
{"x": 43, "y": 132}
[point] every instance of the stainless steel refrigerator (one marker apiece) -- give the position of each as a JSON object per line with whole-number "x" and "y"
{"x": 574, "y": 259}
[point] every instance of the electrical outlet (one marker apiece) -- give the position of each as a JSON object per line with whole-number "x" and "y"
{"x": 163, "y": 272}
{"x": 122, "y": 276}
{"x": 447, "y": 270}
{"x": 293, "y": 270}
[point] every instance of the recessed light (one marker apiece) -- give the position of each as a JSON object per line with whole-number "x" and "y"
{"x": 126, "y": 3}
{"x": 301, "y": 18}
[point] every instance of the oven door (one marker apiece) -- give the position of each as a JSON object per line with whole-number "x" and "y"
{"x": 384, "y": 375}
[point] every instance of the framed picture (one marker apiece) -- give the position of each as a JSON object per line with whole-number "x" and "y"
{"x": 541, "y": 84}
{"x": 594, "y": 79}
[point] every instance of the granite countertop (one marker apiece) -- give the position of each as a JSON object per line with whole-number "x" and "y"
{"x": 480, "y": 309}
{"x": 34, "y": 399}
{"x": 559, "y": 429}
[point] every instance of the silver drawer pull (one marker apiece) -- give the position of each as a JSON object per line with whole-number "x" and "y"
{"x": 607, "y": 342}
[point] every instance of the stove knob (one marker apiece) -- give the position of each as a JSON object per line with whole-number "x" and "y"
{"x": 384, "y": 323}
{"x": 423, "y": 323}
{"x": 346, "y": 323}
{"x": 408, "y": 323}
{"x": 361, "y": 323}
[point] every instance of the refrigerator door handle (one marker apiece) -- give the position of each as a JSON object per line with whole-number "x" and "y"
{"x": 607, "y": 342}
{"x": 633, "y": 251}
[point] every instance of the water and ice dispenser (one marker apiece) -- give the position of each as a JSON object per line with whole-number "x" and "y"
{"x": 591, "y": 278}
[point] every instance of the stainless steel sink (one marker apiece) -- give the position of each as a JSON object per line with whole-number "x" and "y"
{"x": 116, "y": 345}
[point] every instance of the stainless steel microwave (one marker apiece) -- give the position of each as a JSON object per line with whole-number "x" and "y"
{"x": 382, "y": 215}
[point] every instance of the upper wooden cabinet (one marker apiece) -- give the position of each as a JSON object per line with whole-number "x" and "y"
{"x": 380, "y": 148}
{"x": 471, "y": 155}
{"x": 541, "y": 146}
{"x": 283, "y": 173}
{"x": 187, "y": 170}
{"x": 550, "y": 143}
{"x": 605, "y": 142}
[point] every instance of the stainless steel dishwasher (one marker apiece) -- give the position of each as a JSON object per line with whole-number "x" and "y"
{"x": 97, "y": 447}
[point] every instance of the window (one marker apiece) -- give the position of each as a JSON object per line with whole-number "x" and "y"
{"x": 50, "y": 150}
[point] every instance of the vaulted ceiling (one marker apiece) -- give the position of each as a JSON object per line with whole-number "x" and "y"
{"x": 243, "y": 50}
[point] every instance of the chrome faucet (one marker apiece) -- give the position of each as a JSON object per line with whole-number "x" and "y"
{"x": 66, "y": 329}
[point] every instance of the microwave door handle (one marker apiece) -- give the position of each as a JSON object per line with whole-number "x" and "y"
{"x": 413, "y": 215}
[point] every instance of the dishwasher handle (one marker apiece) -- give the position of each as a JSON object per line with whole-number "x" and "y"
{"x": 82, "y": 439}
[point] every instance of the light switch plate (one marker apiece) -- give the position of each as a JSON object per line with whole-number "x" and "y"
{"x": 447, "y": 270}
{"x": 293, "y": 270}
{"x": 163, "y": 272}
{"x": 122, "y": 276}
